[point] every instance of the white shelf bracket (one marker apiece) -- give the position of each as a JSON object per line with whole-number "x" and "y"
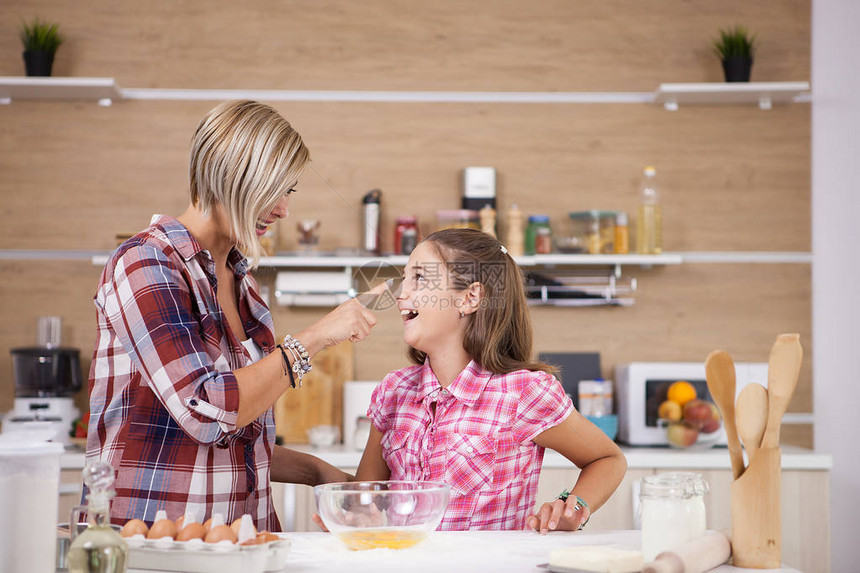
{"x": 764, "y": 102}
{"x": 105, "y": 102}
{"x": 670, "y": 105}
{"x": 5, "y": 100}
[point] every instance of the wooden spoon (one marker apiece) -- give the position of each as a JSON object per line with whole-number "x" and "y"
{"x": 720, "y": 374}
{"x": 783, "y": 369}
{"x": 752, "y": 417}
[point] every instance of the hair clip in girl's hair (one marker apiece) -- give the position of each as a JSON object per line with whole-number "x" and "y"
{"x": 504, "y": 250}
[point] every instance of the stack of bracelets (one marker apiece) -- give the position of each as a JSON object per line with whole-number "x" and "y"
{"x": 301, "y": 360}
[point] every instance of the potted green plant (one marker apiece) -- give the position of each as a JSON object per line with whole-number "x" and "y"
{"x": 736, "y": 48}
{"x": 40, "y": 40}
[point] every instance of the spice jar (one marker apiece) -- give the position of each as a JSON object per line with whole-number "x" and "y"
{"x": 405, "y": 235}
{"x": 622, "y": 234}
{"x": 537, "y": 222}
{"x": 671, "y": 511}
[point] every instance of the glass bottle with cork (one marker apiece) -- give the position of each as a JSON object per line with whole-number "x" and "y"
{"x": 99, "y": 548}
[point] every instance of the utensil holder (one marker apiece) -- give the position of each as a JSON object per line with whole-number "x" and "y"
{"x": 756, "y": 514}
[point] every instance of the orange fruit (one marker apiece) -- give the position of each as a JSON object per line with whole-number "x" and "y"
{"x": 681, "y": 392}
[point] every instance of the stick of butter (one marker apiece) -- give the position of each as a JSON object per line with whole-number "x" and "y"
{"x": 597, "y": 558}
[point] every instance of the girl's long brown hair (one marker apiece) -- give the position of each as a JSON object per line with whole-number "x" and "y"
{"x": 499, "y": 334}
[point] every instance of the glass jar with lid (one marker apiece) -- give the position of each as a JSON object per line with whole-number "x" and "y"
{"x": 671, "y": 511}
{"x": 583, "y": 234}
{"x": 405, "y": 234}
{"x": 538, "y": 233}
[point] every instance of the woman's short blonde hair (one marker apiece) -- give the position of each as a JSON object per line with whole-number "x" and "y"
{"x": 244, "y": 156}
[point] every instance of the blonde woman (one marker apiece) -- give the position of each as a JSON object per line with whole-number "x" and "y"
{"x": 186, "y": 366}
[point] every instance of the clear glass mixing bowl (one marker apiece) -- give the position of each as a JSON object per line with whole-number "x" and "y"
{"x": 390, "y": 514}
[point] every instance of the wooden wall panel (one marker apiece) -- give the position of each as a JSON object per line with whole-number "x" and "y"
{"x": 72, "y": 175}
{"x": 75, "y": 175}
{"x": 542, "y": 45}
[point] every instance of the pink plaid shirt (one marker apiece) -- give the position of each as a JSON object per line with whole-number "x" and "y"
{"x": 479, "y": 441}
{"x": 163, "y": 397}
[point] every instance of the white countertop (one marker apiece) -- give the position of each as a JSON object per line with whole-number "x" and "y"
{"x": 793, "y": 458}
{"x": 453, "y": 552}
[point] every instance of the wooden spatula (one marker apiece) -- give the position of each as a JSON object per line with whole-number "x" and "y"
{"x": 720, "y": 374}
{"x": 783, "y": 368}
{"x": 751, "y": 412}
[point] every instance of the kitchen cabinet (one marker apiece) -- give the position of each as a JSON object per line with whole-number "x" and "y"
{"x": 805, "y": 495}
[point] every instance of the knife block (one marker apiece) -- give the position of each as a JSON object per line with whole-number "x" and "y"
{"x": 756, "y": 514}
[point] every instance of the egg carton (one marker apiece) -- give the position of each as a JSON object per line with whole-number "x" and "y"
{"x": 198, "y": 557}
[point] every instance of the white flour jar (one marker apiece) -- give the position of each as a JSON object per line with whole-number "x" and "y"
{"x": 29, "y": 495}
{"x": 672, "y": 511}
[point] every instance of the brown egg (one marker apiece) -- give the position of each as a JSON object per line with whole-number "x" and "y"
{"x": 237, "y": 524}
{"x": 219, "y": 533}
{"x": 207, "y": 525}
{"x": 162, "y": 528}
{"x": 191, "y": 531}
{"x": 266, "y": 536}
{"x": 134, "y": 527}
{"x": 180, "y": 522}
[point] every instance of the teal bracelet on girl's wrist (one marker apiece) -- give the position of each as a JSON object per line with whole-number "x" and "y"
{"x": 563, "y": 496}
{"x": 579, "y": 501}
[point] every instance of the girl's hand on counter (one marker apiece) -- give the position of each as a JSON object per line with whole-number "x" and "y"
{"x": 558, "y": 515}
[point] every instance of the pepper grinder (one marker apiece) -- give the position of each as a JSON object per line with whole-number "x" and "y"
{"x": 516, "y": 237}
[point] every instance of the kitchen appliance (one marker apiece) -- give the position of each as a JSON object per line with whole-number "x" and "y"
{"x": 573, "y": 367}
{"x": 45, "y": 381}
{"x": 479, "y": 188}
{"x": 356, "y": 399}
{"x": 642, "y": 386}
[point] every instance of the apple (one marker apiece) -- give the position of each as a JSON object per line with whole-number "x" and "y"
{"x": 669, "y": 410}
{"x": 698, "y": 413}
{"x": 681, "y": 434}
{"x": 715, "y": 422}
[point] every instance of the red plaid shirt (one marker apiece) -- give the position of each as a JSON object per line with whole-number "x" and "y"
{"x": 163, "y": 398}
{"x": 479, "y": 441}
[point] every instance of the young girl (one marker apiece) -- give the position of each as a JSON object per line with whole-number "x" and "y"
{"x": 475, "y": 411}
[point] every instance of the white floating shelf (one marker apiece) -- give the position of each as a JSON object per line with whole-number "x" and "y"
{"x": 765, "y": 94}
{"x": 106, "y": 90}
{"x": 102, "y": 90}
{"x": 767, "y": 257}
{"x": 99, "y": 258}
{"x": 391, "y": 96}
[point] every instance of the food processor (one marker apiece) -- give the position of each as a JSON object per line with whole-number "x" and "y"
{"x": 46, "y": 379}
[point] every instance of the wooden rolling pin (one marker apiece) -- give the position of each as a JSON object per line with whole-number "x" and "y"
{"x": 696, "y": 556}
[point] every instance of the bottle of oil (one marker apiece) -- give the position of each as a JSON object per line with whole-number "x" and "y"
{"x": 649, "y": 227}
{"x": 99, "y": 548}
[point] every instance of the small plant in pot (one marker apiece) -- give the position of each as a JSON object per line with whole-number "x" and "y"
{"x": 736, "y": 48}
{"x": 40, "y": 40}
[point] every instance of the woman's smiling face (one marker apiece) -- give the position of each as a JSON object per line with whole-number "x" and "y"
{"x": 429, "y": 306}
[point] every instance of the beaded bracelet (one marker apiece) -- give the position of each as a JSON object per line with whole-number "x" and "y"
{"x": 288, "y": 371}
{"x": 302, "y": 362}
{"x": 580, "y": 503}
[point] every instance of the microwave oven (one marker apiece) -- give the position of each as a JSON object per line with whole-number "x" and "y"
{"x": 642, "y": 386}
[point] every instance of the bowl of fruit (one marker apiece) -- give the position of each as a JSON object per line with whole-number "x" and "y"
{"x": 690, "y": 422}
